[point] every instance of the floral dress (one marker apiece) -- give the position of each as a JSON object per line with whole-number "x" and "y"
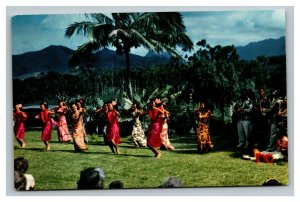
{"x": 62, "y": 127}
{"x": 164, "y": 135}
{"x": 203, "y": 136}
{"x": 137, "y": 134}
{"x": 78, "y": 132}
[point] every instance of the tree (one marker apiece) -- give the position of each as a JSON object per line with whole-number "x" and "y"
{"x": 214, "y": 74}
{"x": 158, "y": 32}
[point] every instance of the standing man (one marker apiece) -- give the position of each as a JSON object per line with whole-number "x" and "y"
{"x": 262, "y": 123}
{"x": 243, "y": 110}
{"x": 278, "y": 121}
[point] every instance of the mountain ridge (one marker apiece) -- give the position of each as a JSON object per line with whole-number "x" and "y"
{"x": 55, "y": 58}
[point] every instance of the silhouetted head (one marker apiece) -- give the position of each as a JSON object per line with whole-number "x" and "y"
{"x": 91, "y": 178}
{"x": 43, "y": 105}
{"x": 271, "y": 182}
{"x": 117, "y": 184}
{"x": 261, "y": 92}
{"x": 172, "y": 182}
{"x": 21, "y": 164}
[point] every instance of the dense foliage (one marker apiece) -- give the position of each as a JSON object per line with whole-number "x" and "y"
{"x": 212, "y": 74}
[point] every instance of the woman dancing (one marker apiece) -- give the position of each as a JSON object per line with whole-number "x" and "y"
{"x": 203, "y": 136}
{"x": 19, "y": 127}
{"x": 164, "y": 132}
{"x": 155, "y": 127}
{"x": 62, "y": 126}
{"x": 137, "y": 134}
{"x": 112, "y": 128}
{"x": 44, "y": 115}
{"x": 78, "y": 129}
{"x": 82, "y": 110}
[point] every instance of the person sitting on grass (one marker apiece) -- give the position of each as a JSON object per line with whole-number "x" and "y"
{"x": 19, "y": 181}
{"x": 91, "y": 178}
{"x": 117, "y": 184}
{"x": 172, "y": 182}
{"x": 20, "y": 166}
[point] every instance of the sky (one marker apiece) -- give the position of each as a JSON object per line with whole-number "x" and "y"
{"x": 35, "y": 32}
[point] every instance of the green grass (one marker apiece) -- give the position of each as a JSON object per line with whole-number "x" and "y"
{"x": 137, "y": 168}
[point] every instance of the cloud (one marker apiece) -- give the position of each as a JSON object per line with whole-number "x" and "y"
{"x": 35, "y": 32}
{"x": 235, "y": 27}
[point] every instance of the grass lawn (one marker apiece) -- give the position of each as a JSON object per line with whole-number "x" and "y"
{"x": 137, "y": 168}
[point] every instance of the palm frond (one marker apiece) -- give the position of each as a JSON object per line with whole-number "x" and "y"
{"x": 83, "y": 53}
{"x": 163, "y": 47}
{"x": 164, "y": 91}
{"x": 143, "y": 93}
{"x": 175, "y": 95}
{"x": 127, "y": 103}
{"x": 153, "y": 94}
{"x": 122, "y": 20}
{"x": 140, "y": 39}
{"x": 117, "y": 32}
{"x": 137, "y": 98}
{"x": 78, "y": 28}
{"x": 100, "y": 18}
{"x": 100, "y": 33}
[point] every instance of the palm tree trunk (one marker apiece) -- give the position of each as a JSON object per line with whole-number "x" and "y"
{"x": 127, "y": 79}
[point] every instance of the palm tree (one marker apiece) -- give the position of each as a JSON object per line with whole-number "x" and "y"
{"x": 159, "y": 32}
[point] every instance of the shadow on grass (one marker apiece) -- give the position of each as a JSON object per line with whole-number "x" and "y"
{"x": 185, "y": 151}
{"x": 221, "y": 143}
{"x": 135, "y": 155}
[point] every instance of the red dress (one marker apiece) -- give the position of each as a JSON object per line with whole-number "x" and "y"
{"x": 112, "y": 129}
{"x": 19, "y": 128}
{"x": 47, "y": 126}
{"x": 155, "y": 128}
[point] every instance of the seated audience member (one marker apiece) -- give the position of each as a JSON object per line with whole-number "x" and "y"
{"x": 271, "y": 182}
{"x": 117, "y": 184}
{"x": 91, "y": 178}
{"x": 172, "y": 182}
{"x": 19, "y": 181}
{"x": 21, "y": 165}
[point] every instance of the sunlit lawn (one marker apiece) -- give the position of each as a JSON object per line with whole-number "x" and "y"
{"x": 137, "y": 168}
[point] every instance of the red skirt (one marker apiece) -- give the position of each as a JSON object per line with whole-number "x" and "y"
{"x": 113, "y": 133}
{"x": 46, "y": 133}
{"x": 153, "y": 138}
{"x": 19, "y": 130}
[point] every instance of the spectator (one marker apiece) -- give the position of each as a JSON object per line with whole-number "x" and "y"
{"x": 19, "y": 181}
{"x": 271, "y": 182}
{"x": 91, "y": 178}
{"x": 117, "y": 184}
{"x": 172, "y": 182}
{"x": 21, "y": 166}
{"x": 243, "y": 111}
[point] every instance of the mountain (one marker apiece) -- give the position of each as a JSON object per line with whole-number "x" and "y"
{"x": 268, "y": 47}
{"x": 52, "y": 58}
{"x": 55, "y": 58}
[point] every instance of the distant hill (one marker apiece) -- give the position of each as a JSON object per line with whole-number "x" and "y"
{"x": 55, "y": 58}
{"x": 52, "y": 58}
{"x": 268, "y": 47}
